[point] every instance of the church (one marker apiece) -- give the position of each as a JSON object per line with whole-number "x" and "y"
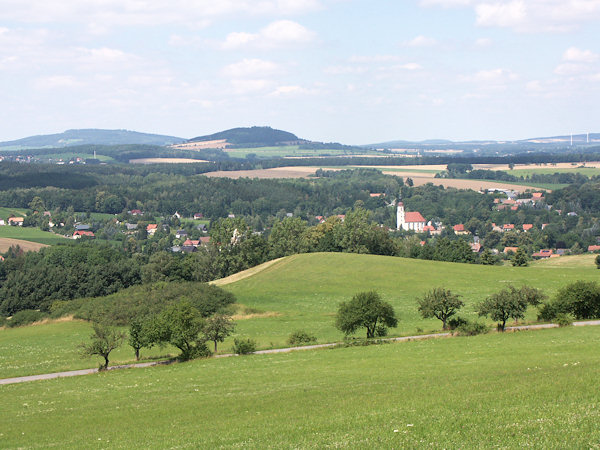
{"x": 409, "y": 220}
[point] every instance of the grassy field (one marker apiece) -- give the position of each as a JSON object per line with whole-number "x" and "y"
{"x": 30, "y": 234}
{"x": 527, "y": 389}
{"x": 66, "y": 156}
{"x": 5, "y": 213}
{"x": 52, "y": 347}
{"x": 287, "y": 150}
{"x": 588, "y": 171}
{"x": 303, "y": 292}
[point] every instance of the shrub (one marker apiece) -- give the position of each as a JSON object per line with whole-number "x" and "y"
{"x": 301, "y": 337}
{"x": 2, "y": 321}
{"x": 25, "y": 317}
{"x": 244, "y": 346}
{"x": 469, "y": 328}
{"x": 456, "y": 322}
{"x": 564, "y": 320}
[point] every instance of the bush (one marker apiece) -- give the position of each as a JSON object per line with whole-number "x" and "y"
{"x": 469, "y": 328}
{"x": 564, "y": 320}
{"x": 25, "y": 317}
{"x": 456, "y": 322}
{"x": 244, "y": 346}
{"x": 301, "y": 337}
{"x": 2, "y": 321}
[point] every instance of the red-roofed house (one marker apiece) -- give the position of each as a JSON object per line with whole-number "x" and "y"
{"x": 16, "y": 221}
{"x": 409, "y": 220}
{"x": 544, "y": 225}
{"x": 151, "y": 228}
{"x": 377, "y": 194}
{"x": 510, "y": 249}
{"x": 429, "y": 228}
{"x": 198, "y": 216}
{"x": 508, "y": 227}
{"x": 460, "y": 229}
{"x": 78, "y": 234}
{"x": 527, "y": 226}
{"x": 536, "y": 196}
{"x": 594, "y": 248}
{"x": 545, "y": 253}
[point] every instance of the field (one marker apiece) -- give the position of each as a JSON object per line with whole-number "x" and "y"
{"x": 66, "y": 156}
{"x": 5, "y": 213}
{"x": 288, "y": 151}
{"x": 303, "y": 292}
{"x": 166, "y": 161}
{"x": 30, "y": 234}
{"x": 27, "y": 246}
{"x": 527, "y": 389}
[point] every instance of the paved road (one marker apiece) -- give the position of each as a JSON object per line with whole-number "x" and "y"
{"x": 74, "y": 373}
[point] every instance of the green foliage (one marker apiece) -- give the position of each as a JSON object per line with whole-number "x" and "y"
{"x": 439, "y": 303}
{"x": 217, "y": 328}
{"x": 140, "y": 335}
{"x": 25, "y": 317}
{"x": 582, "y": 299}
{"x": 597, "y": 261}
{"x": 243, "y": 346}
{"x": 181, "y": 325}
{"x": 301, "y": 337}
{"x": 368, "y": 310}
{"x": 564, "y": 320}
{"x": 520, "y": 258}
{"x": 487, "y": 258}
{"x": 286, "y": 237}
{"x": 509, "y": 303}
{"x": 3, "y": 321}
{"x": 472, "y": 328}
{"x": 103, "y": 341}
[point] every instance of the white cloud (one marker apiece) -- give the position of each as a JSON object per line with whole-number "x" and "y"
{"x": 373, "y": 59}
{"x": 491, "y": 77}
{"x": 290, "y": 91}
{"x": 281, "y": 33}
{"x": 243, "y": 86}
{"x": 409, "y": 66}
{"x": 421, "y": 41}
{"x": 483, "y": 42}
{"x": 574, "y": 54}
{"x": 58, "y": 82}
{"x": 251, "y": 68}
{"x": 528, "y": 16}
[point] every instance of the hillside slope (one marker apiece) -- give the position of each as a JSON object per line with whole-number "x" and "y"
{"x": 71, "y": 138}
{"x": 263, "y": 136}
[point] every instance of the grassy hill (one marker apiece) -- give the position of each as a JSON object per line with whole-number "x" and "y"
{"x": 305, "y": 290}
{"x": 265, "y": 136}
{"x": 527, "y": 389}
{"x": 30, "y": 234}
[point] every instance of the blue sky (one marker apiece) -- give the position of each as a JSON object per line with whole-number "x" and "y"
{"x": 351, "y": 71}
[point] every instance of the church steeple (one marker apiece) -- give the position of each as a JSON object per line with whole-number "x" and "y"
{"x": 400, "y": 216}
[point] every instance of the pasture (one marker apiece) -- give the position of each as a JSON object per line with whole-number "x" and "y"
{"x": 513, "y": 390}
{"x": 304, "y": 292}
{"x": 30, "y": 234}
{"x": 5, "y": 213}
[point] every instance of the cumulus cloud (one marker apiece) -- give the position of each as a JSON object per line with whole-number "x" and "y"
{"x": 291, "y": 91}
{"x": 575, "y": 54}
{"x": 527, "y": 15}
{"x": 491, "y": 77}
{"x": 251, "y": 68}
{"x": 280, "y": 33}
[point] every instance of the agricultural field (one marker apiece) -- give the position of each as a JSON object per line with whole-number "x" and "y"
{"x": 27, "y": 246}
{"x": 66, "y": 156}
{"x": 30, "y": 234}
{"x": 5, "y": 213}
{"x": 513, "y": 390}
{"x": 288, "y": 151}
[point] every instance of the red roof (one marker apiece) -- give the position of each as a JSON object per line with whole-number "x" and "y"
{"x": 413, "y": 217}
{"x": 205, "y": 239}
{"x": 510, "y": 249}
{"x": 593, "y": 248}
{"x": 546, "y": 253}
{"x": 508, "y": 226}
{"x": 537, "y": 195}
{"x": 152, "y": 226}
{"x": 428, "y": 228}
{"x": 83, "y": 233}
{"x": 459, "y": 227}
{"x": 527, "y": 226}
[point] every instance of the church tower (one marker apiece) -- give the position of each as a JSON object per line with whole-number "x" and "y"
{"x": 400, "y": 217}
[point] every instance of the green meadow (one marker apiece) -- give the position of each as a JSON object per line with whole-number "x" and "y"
{"x": 588, "y": 171}
{"x": 5, "y": 213}
{"x": 527, "y": 389}
{"x": 30, "y": 234}
{"x": 288, "y": 150}
{"x": 303, "y": 292}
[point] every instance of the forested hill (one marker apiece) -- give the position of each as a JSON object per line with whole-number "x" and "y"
{"x": 264, "y": 136}
{"x": 89, "y": 137}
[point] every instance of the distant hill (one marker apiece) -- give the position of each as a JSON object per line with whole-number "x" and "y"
{"x": 89, "y": 137}
{"x": 252, "y": 136}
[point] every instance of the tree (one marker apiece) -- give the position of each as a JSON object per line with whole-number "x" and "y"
{"x": 598, "y": 261}
{"x": 104, "y": 340}
{"x": 217, "y": 328}
{"x": 181, "y": 325}
{"x": 510, "y": 303}
{"x": 139, "y": 336}
{"x": 366, "y": 309}
{"x": 582, "y": 299}
{"x": 520, "y": 258}
{"x": 441, "y": 304}
{"x": 487, "y": 258}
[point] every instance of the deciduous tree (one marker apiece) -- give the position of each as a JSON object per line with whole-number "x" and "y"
{"x": 366, "y": 309}
{"x": 441, "y": 304}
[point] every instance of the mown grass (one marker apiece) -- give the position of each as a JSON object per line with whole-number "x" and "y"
{"x": 527, "y": 389}
{"x": 5, "y": 213}
{"x": 53, "y": 347}
{"x": 30, "y": 234}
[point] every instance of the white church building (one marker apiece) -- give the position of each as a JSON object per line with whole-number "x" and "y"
{"x": 413, "y": 221}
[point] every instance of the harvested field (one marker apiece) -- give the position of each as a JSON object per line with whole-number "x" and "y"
{"x": 595, "y": 164}
{"x": 6, "y": 243}
{"x": 278, "y": 172}
{"x": 218, "y": 143}
{"x": 166, "y": 161}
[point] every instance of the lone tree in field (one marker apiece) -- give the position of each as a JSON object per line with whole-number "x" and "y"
{"x": 510, "y": 303}
{"x": 520, "y": 258}
{"x": 139, "y": 335}
{"x": 104, "y": 340}
{"x": 441, "y": 304}
{"x": 181, "y": 325}
{"x": 366, "y": 309}
{"x": 217, "y": 328}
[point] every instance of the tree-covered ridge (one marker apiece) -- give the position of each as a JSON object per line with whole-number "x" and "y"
{"x": 91, "y": 137}
{"x": 265, "y": 136}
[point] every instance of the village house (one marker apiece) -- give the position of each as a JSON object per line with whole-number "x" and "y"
{"x": 460, "y": 229}
{"x": 2, "y": 223}
{"x": 151, "y": 229}
{"x": 508, "y": 250}
{"x": 198, "y": 216}
{"x": 16, "y": 221}
{"x": 594, "y": 248}
{"x": 80, "y": 233}
{"x": 527, "y": 226}
{"x": 543, "y": 254}
{"x": 412, "y": 221}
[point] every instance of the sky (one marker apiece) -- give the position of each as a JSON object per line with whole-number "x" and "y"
{"x": 350, "y": 71}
